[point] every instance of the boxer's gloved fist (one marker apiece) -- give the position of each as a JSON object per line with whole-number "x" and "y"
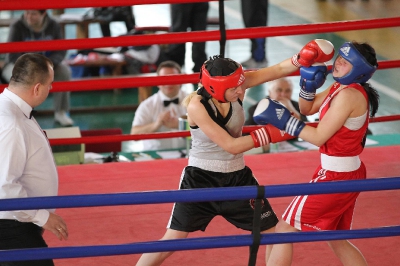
{"x": 311, "y": 79}
{"x": 272, "y": 112}
{"x": 260, "y": 137}
{"x": 316, "y": 51}
{"x": 269, "y": 134}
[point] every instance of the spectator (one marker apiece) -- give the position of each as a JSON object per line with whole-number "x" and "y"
{"x": 280, "y": 90}
{"x": 255, "y": 14}
{"x": 138, "y": 57}
{"x": 110, "y": 14}
{"x": 184, "y": 16}
{"x": 35, "y": 25}
{"x": 161, "y": 111}
{"x": 27, "y": 164}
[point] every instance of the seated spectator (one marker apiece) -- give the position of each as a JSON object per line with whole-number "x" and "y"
{"x": 280, "y": 90}
{"x": 35, "y": 25}
{"x": 139, "y": 56}
{"x": 161, "y": 111}
{"x": 139, "y": 59}
{"x": 110, "y": 14}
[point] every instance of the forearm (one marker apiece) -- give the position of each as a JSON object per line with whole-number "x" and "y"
{"x": 306, "y": 107}
{"x": 314, "y": 136}
{"x": 148, "y": 128}
{"x": 11, "y": 188}
{"x": 172, "y": 123}
{"x": 263, "y": 75}
{"x": 288, "y": 103}
{"x": 238, "y": 145}
{"x": 57, "y": 57}
{"x": 295, "y": 113}
{"x": 312, "y": 107}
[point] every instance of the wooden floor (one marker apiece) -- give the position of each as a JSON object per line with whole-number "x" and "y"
{"x": 383, "y": 40}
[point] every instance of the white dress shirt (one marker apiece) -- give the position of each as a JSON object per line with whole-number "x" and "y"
{"x": 27, "y": 166}
{"x": 148, "y": 112}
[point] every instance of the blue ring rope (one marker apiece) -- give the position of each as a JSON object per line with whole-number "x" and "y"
{"x": 198, "y": 195}
{"x": 192, "y": 244}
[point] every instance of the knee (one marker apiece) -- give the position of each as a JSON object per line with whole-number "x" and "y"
{"x": 62, "y": 72}
{"x": 283, "y": 227}
{"x": 337, "y": 245}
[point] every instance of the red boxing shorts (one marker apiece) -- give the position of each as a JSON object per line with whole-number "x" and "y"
{"x": 325, "y": 211}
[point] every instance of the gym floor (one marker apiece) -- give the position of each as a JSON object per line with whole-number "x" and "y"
{"x": 114, "y": 108}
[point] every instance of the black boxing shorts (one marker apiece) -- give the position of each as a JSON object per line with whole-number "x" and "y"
{"x": 194, "y": 216}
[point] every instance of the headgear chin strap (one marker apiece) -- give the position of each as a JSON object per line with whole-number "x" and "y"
{"x": 216, "y": 86}
{"x": 362, "y": 70}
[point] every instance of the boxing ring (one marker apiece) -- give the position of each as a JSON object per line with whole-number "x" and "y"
{"x": 106, "y": 219}
{"x": 129, "y": 223}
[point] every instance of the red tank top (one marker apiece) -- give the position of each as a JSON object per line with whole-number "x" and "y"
{"x": 345, "y": 142}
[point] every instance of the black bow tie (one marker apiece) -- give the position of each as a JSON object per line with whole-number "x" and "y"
{"x": 175, "y": 101}
{"x": 33, "y": 112}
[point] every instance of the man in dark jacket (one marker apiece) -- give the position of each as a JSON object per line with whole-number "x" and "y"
{"x": 35, "y": 25}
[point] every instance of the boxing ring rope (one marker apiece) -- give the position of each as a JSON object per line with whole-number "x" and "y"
{"x": 173, "y": 134}
{"x": 193, "y": 244}
{"x": 28, "y": 4}
{"x": 196, "y": 195}
{"x": 92, "y": 84}
{"x": 198, "y": 36}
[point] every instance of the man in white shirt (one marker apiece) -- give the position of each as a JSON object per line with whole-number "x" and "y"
{"x": 27, "y": 166}
{"x": 161, "y": 111}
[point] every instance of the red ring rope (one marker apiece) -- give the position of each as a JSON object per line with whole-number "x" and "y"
{"x": 139, "y": 81}
{"x": 41, "y": 4}
{"x": 198, "y": 36}
{"x": 174, "y": 134}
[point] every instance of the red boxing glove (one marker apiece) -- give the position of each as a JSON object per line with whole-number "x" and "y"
{"x": 277, "y": 135}
{"x": 316, "y": 51}
{"x": 269, "y": 134}
{"x": 260, "y": 137}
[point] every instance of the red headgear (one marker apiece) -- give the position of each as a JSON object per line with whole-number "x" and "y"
{"x": 217, "y": 85}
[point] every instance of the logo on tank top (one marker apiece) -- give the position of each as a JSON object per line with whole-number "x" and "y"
{"x": 345, "y": 50}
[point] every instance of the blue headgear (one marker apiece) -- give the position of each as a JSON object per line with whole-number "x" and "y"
{"x": 361, "y": 71}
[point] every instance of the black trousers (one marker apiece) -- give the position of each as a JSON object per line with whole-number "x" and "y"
{"x": 255, "y": 14}
{"x": 184, "y": 16}
{"x": 125, "y": 14}
{"x": 17, "y": 235}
